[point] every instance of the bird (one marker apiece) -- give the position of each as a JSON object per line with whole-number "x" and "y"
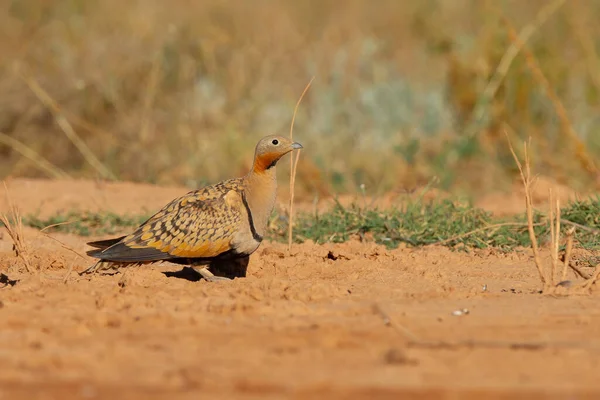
{"x": 213, "y": 230}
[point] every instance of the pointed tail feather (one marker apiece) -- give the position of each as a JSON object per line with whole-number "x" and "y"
{"x": 104, "y": 244}
{"x": 94, "y": 253}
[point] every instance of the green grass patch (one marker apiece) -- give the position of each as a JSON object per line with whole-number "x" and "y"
{"x": 444, "y": 222}
{"x": 86, "y": 223}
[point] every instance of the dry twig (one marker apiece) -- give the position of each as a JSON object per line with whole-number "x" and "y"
{"x": 507, "y": 58}
{"x": 526, "y": 178}
{"x": 387, "y": 321}
{"x": 65, "y": 126}
{"x": 550, "y": 286}
{"x": 578, "y": 271}
{"x": 63, "y": 245}
{"x": 14, "y": 226}
{"x": 568, "y": 250}
{"x": 554, "y": 233}
{"x": 474, "y": 231}
{"x": 37, "y": 159}
{"x": 581, "y": 153}
{"x": 293, "y": 166}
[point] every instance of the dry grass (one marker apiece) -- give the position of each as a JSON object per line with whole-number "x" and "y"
{"x": 65, "y": 125}
{"x": 178, "y": 92}
{"x": 38, "y": 161}
{"x": 294, "y": 166}
{"x": 552, "y": 283}
{"x": 580, "y": 152}
{"x": 506, "y": 61}
{"x": 13, "y": 223}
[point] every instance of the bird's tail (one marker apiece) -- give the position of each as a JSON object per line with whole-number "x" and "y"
{"x": 100, "y": 265}
{"x": 94, "y": 253}
{"x": 101, "y": 245}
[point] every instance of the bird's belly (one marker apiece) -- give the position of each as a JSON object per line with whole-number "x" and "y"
{"x": 245, "y": 243}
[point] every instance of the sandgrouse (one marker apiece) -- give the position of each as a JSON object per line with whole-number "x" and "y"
{"x": 213, "y": 229}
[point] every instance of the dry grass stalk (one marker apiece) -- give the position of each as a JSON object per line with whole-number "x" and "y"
{"x": 14, "y": 226}
{"x": 294, "y": 165}
{"x": 581, "y": 153}
{"x": 474, "y": 231}
{"x": 65, "y": 126}
{"x": 64, "y": 245}
{"x": 587, "y": 285}
{"x": 27, "y": 152}
{"x": 579, "y": 272}
{"x": 527, "y": 182}
{"x": 505, "y": 62}
{"x": 554, "y": 233}
{"x": 68, "y": 273}
{"x": 568, "y": 250}
{"x": 587, "y": 44}
{"x": 549, "y": 281}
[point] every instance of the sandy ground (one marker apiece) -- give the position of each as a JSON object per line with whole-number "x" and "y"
{"x": 342, "y": 321}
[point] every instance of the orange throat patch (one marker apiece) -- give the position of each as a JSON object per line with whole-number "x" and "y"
{"x": 265, "y": 161}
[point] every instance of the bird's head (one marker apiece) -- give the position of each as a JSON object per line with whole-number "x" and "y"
{"x": 270, "y": 149}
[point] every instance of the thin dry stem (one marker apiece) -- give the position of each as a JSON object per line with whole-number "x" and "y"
{"x": 578, "y": 271}
{"x": 27, "y": 152}
{"x": 588, "y": 46}
{"x": 552, "y": 234}
{"x": 549, "y": 283}
{"x": 63, "y": 245}
{"x": 568, "y": 250}
{"x": 587, "y": 285}
{"x": 474, "y": 231}
{"x": 526, "y": 178}
{"x": 65, "y": 126}
{"x": 387, "y": 320}
{"x": 68, "y": 273}
{"x": 579, "y": 226}
{"x": 581, "y": 153}
{"x": 292, "y": 183}
{"x": 555, "y": 234}
{"x": 14, "y": 226}
{"x": 504, "y": 65}
{"x": 293, "y": 165}
{"x": 557, "y": 242}
{"x": 58, "y": 224}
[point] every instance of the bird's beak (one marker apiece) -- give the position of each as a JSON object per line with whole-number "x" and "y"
{"x": 296, "y": 146}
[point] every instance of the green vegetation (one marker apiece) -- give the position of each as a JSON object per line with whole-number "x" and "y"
{"x": 179, "y": 91}
{"x": 445, "y": 222}
{"x": 85, "y": 223}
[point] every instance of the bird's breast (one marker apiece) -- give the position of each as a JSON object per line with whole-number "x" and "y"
{"x": 245, "y": 243}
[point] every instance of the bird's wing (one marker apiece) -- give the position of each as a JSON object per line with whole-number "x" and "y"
{"x": 200, "y": 224}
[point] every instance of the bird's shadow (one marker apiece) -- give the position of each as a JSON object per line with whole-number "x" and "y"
{"x": 236, "y": 268}
{"x": 187, "y": 273}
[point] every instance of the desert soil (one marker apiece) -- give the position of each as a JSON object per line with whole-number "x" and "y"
{"x": 345, "y": 321}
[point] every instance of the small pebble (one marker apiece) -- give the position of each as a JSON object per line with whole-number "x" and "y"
{"x": 458, "y": 313}
{"x": 396, "y": 356}
{"x": 565, "y": 284}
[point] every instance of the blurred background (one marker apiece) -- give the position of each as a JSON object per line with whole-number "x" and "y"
{"x": 405, "y": 92}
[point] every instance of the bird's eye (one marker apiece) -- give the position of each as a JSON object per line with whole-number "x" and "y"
{"x": 275, "y": 142}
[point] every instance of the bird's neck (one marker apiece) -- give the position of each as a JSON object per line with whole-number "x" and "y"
{"x": 260, "y": 192}
{"x": 265, "y": 162}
